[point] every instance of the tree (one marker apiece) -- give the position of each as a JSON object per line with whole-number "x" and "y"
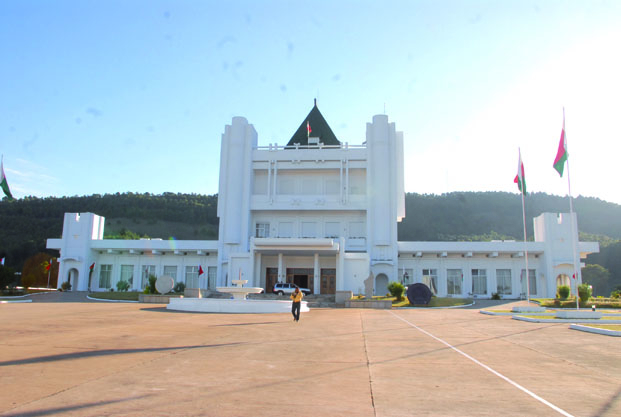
{"x": 35, "y": 273}
{"x": 7, "y": 276}
{"x": 599, "y": 277}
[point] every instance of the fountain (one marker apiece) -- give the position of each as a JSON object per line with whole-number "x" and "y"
{"x": 238, "y": 304}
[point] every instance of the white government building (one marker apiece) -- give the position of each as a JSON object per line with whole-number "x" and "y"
{"x": 321, "y": 214}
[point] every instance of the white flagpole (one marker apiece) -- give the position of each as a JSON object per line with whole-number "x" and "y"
{"x": 574, "y": 248}
{"x": 524, "y": 224}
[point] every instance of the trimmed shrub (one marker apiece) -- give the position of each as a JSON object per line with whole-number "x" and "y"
{"x": 495, "y": 296}
{"x": 65, "y": 286}
{"x": 563, "y": 291}
{"x": 615, "y": 294}
{"x": 584, "y": 292}
{"x": 396, "y": 289}
{"x": 151, "y": 285}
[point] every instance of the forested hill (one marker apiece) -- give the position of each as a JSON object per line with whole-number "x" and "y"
{"x": 497, "y": 215}
{"x": 25, "y": 224}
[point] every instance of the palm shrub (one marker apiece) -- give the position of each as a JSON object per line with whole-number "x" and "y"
{"x": 179, "y": 287}
{"x": 151, "y": 285}
{"x": 584, "y": 292}
{"x": 122, "y": 285}
{"x": 396, "y": 289}
{"x": 563, "y": 291}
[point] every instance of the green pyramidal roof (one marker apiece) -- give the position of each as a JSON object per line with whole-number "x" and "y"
{"x": 319, "y": 128}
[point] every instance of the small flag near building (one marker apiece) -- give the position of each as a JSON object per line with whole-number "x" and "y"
{"x": 520, "y": 179}
{"x": 200, "y": 271}
{"x": 308, "y": 129}
{"x": 92, "y": 267}
{"x": 1, "y": 261}
{"x": 561, "y": 154}
{"x": 3, "y": 183}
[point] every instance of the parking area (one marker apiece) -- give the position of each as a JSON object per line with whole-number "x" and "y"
{"x": 92, "y": 359}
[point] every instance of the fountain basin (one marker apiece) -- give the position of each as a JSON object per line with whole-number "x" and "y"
{"x": 218, "y": 305}
{"x": 240, "y": 293}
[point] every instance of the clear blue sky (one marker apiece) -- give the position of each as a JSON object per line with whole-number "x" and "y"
{"x": 115, "y": 96}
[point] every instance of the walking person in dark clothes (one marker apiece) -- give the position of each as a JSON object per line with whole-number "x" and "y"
{"x": 296, "y": 296}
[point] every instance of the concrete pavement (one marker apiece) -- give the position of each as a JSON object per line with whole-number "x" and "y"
{"x": 94, "y": 359}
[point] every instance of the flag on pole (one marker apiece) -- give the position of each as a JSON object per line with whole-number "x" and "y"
{"x": 561, "y": 154}
{"x": 1, "y": 261}
{"x": 48, "y": 266}
{"x": 520, "y": 179}
{"x": 3, "y": 183}
{"x": 92, "y": 266}
{"x": 200, "y": 271}
{"x": 308, "y": 129}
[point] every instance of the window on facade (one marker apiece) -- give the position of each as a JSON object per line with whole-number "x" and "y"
{"x": 191, "y": 276}
{"x": 286, "y": 185}
{"x": 310, "y": 186}
{"x": 454, "y": 278}
{"x": 332, "y": 229}
{"x": 285, "y": 229}
{"x": 309, "y": 229}
{"x": 260, "y": 183}
{"x": 263, "y": 230}
{"x": 479, "y": 281}
{"x": 357, "y": 229}
{"x": 212, "y": 272}
{"x": 532, "y": 281}
{"x": 105, "y": 275}
{"x": 146, "y": 271}
{"x": 430, "y": 279}
{"x": 503, "y": 281}
{"x": 357, "y": 183}
{"x": 171, "y": 271}
{"x": 127, "y": 274}
{"x": 313, "y": 141}
{"x": 332, "y": 186}
{"x": 406, "y": 275}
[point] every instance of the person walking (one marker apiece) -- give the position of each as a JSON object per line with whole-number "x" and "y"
{"x": 296, "y": 296}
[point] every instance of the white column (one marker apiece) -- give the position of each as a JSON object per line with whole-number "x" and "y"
{"x": 316, "y": 274}
{"x": 281, "y": 277}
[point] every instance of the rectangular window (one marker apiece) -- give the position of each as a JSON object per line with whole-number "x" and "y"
{"x": 263, "y": 230}
{"x": 357, "y": 229}
{"x": 332, "y": 186}
{"x": 479, "y": 281}
{"x": 212, "y": 272}
{"x": 532, "y": 281}
{"x": 454, "y": 278}
{"x": 127, "y": 274}
{"x": 191, "y": 276}
{"x": 147, "y": 270}
{"x": 332, "y": 229}
{"x": 285, "y": 185}
{"x": 310, "y": 186}
{"x": 309, "y": 229}
{"x": 105, "y": 274}
{"x": 503, "y": 281}
{"x": 406, "y": 276}
{"x": 171, "y": 271}
{"x": 285, "y": 229}
{"x": 430, "y": 279}
{"x": 260, "y": 183}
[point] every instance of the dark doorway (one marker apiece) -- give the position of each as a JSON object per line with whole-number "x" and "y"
{"x": 301, "y": 280}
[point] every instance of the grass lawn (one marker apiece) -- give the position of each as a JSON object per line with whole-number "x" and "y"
{"x": 616, "y": 327}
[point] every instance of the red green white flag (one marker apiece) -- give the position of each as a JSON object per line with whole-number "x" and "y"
{"x": 561, "y": 154}
{"x": 520, "y": 179}
{"x": 3, "y": 183}
{"x": 308, "y": 129}
{"x": 200, "y": 270}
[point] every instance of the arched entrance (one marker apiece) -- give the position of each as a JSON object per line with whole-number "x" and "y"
{"x": 563, "y": 279}
{"x": 72, "y": 278}
{"x": 381, "y": 284}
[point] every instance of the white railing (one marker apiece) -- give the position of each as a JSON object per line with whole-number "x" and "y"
{"x": 276, "y": 147}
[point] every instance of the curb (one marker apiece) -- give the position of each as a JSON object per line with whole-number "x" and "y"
{"x": 595, "y": 330}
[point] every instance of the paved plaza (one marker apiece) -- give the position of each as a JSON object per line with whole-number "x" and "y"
{"x": 86, "y": 358}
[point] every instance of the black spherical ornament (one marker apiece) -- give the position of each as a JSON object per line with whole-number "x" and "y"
{"x": 419, "y": 293}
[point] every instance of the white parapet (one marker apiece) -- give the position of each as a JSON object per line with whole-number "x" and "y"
{"x": 218, "y": 305}
{"x": 578, "y": 314}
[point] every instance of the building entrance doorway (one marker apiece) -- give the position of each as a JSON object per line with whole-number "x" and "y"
{"x": 328, "y": 281}
{"x": 302, "y": 277}
{"x": 271, "y": 278}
